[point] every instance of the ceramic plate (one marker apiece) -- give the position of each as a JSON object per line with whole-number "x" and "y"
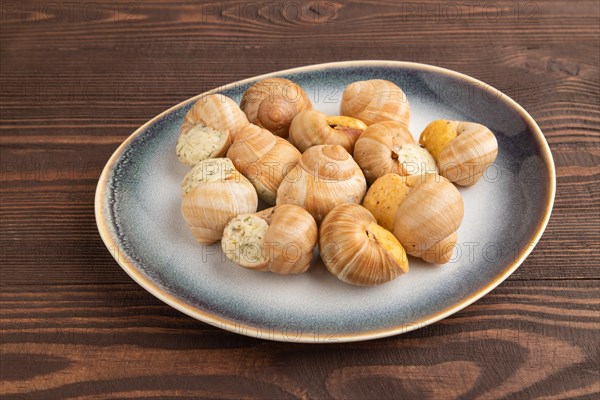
{"x": 138, "y": 215}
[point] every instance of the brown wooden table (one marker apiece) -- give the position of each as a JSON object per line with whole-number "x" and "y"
{"x": 79, "y": 77}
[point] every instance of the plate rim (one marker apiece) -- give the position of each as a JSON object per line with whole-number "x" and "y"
{"x": 130, "y": 267}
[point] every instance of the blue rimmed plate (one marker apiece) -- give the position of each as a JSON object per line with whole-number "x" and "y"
{"x": 138, "y": 215}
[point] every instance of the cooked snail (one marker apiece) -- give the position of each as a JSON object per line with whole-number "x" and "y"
{"x": 213, "y": 193}
{"x": 388, "y": 147}
{"x": 422, "y": 211}
{"x": 375, "y": 100}
{"x": 272, "y": 104}
{"x": 357, "y": 250}
{"x": 312, "y": 127}
{"x": 279, "y": 239}
{"x": 324, "y": 177}
{"x": 200, "y": 142}
{"x": 208, "y": 129}
{"x": 462, "y": 150}
{"x": 263, "y": 158}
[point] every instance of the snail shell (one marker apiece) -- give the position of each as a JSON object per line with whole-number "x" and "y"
{"x": 208, "y": 129}
{"x": 263, "y": 158}
{"x": 216, "y": 111}
{"x": 311, "y": 128}
{"x": 213, "y": 193}
{"x": 375, "y": 100}
{"x": 324, "y": 177}
{"x": 357, "y": 250}
{"x": 388, "y": 147}
{"x": 279, "y": 239}
{"x": 463, "y": 150}
{"x": 424, "y": 212}
{"x": 272, "y": 104}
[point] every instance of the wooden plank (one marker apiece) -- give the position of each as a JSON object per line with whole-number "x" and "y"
{"x": 76, "y": 78}
{"x": 525, "y": 339}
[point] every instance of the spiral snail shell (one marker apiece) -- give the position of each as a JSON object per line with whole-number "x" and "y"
{"x": 357, "y": 250}
{"x": 208, "y": 129}
{"x": 375, "y": 100}
{"x": 213, "y": 192}
{"x": 325, "y": 176}
{"x": 279, "y": 239}
{"x": 462, "y": 150}
{"x": 388, "y": 147}
{"x": 272, "y": 103}
{"x": 424, "y": 212}
{"x": 263, "y": 158}
{"x": 312, "y": 128}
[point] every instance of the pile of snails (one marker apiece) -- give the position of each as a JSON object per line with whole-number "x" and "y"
{"x": 357, "y": 185}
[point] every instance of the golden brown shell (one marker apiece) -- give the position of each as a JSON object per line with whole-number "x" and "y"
{"x": 312, "y": 128}
{"x": 216, "y": 111}
{"x": 263, "y": 158}
{"x": 324, "y": 177}
{"x": 427, "y": 211}
{"x": 279, "y": 239}
{"x": 375, "y": 100}
{"x": 463, "y": 150}
{"x": 272, "y": 104}
{"x": 214, "y": 192}
{"x": 388, "y": 147}
{"x": 357, "y": 250}
{"x": 290, "y": 240}
{"x": 428, "y": 218}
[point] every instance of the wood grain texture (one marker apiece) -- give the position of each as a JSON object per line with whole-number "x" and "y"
{"x": 76, "y": 78}
{"x": 525, "y": 338}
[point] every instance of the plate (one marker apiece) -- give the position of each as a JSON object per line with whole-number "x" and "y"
{"x": 138, "y": 215}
